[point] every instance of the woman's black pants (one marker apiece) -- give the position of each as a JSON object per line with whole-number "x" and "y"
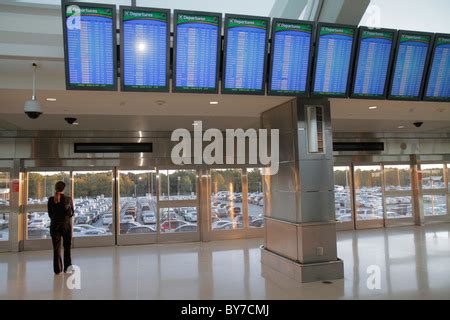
{"x": 61, "y": 231}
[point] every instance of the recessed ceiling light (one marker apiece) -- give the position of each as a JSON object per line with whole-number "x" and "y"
{"x": 373, "y": 107}
{"x": 214, "y": 102}
{"x": 401, "y": 127}
{"x": 51, "y": 99}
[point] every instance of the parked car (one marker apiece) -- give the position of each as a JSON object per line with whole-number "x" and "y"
{"x": 148, "y": 217}
{"x": 39, "y": 223}
{"x": 34, "y": 232}
{"x": 3, "y": 223}
{"x": 191, "y": 216}
{"x": 257, "y": 223}
{"x": 107, "y": 218}
{"x": 141, "y": 229}
{"x": 124, "y": 227}
{"x": 172, "y": 224}
{"x": 128, "y": 218}
{"x": 82, "y": 219}
{"x": 189, "y": 227}
{"x": 94, "y": 232}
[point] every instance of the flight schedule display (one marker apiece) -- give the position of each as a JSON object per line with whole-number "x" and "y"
{"x": 89, "y": 43}
{"x": 372, "y": 64}
{"x": 411, "y": 58}
{"x": 197, "y": 39}
{"x": 245, "y": 54}
{"x": 438, "y": 86}
{"x": 333, "y": 58}
{"x": 145, "y": 44}
{"x": 290, "y": 63}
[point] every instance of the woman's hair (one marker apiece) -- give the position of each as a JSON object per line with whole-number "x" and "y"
{"x": 59, "y": 186}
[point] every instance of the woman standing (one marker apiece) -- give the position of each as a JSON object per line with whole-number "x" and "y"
{"x": 60, "y": 211}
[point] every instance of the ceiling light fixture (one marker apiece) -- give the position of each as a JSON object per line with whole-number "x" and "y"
{"x": 373, "y": 108}
{"x": 214, "y": 102}
{"x": 51, "y": 99}
{"x": 401, "y": 127}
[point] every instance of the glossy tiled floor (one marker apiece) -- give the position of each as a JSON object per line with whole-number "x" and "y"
{"x": 414, "y": 264}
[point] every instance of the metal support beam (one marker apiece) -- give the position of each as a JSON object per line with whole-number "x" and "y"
{"x": 289, "y": 9}
{"x": 342, "y": 11}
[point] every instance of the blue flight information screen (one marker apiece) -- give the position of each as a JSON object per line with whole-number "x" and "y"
{"x": 290, "y": 58}
{"x": 333, "y": 60}
{"x": 375, "y": 49}
{"x": 438, "y": 87}
{"x": 145, "y": 43}
{"x": 245, "y": 55}
{"x": 90, "y": 48}
{"x": 196, "y": 55}
{"x": 410, "y": 66}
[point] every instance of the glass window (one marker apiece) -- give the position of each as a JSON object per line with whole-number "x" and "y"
{"x": 255, "y": 197}
{"x": 434, "y": 205}
{"x": 448, "y": 176}
{"x": 399, "y": 207}
{"x": 4, "y": 226}
{"x": 432, "y": 176}
{"x": 93, "y": 203}
{"x": 178, "y": 184}
{"x": 368, "y": 195}
{"x": 137, "y": 201}
{"x": 178, "y": 219}
{"x": 4, "y": 188}
{"x": 397, "y": 177}
{"x": 41, "y": 185}
{"x": 342, "y": 194}
{"x": 226, "y": 199}
{"x": 38, "y": 225}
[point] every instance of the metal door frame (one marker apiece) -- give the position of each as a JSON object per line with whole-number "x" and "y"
{"x": 246, "y": 231}
{"x": 132, "y": 239}
{"x": 181, "y": 236}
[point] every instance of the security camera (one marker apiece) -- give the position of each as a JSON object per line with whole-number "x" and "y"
{"x": 33, "y": 109}
{"x": 71, "y": 120}
{"x": 418, "y": 124}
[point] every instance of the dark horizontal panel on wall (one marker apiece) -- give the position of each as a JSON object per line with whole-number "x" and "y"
{"x": 358, "y": 146}
{"x": 121, "y": 147}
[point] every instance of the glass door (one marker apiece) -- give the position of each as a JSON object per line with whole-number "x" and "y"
{"x": 5, "y": 209}
{"x": 94, "y": 208}
{"x": 178, "y": 205}
{"x": 343, "y": 202}
{"x": 398, "y": 202}
{"x": 434, "y": 192}
{"x": 39, "y": 185}
{"x": 137, "y": 207}
{"x": 368, "y": 196}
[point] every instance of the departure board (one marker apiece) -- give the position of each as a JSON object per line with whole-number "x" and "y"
{"x": 144, "y": 49}
{"x": 196, "y": 51}
{"x": 333, "y": 58}
{"x": 409, "y": 67}
{"x": 290, "y": 57}
{"x": 438, "y": 84}
{"x": 89, "y": 46}
{"x": 372, "y": 64}
{"x": 245, "y": 54}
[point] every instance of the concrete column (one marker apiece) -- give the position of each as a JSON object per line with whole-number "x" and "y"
{"x": 300, "y": 239}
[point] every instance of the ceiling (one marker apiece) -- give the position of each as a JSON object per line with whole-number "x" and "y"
{"x": 33, "y": 34}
